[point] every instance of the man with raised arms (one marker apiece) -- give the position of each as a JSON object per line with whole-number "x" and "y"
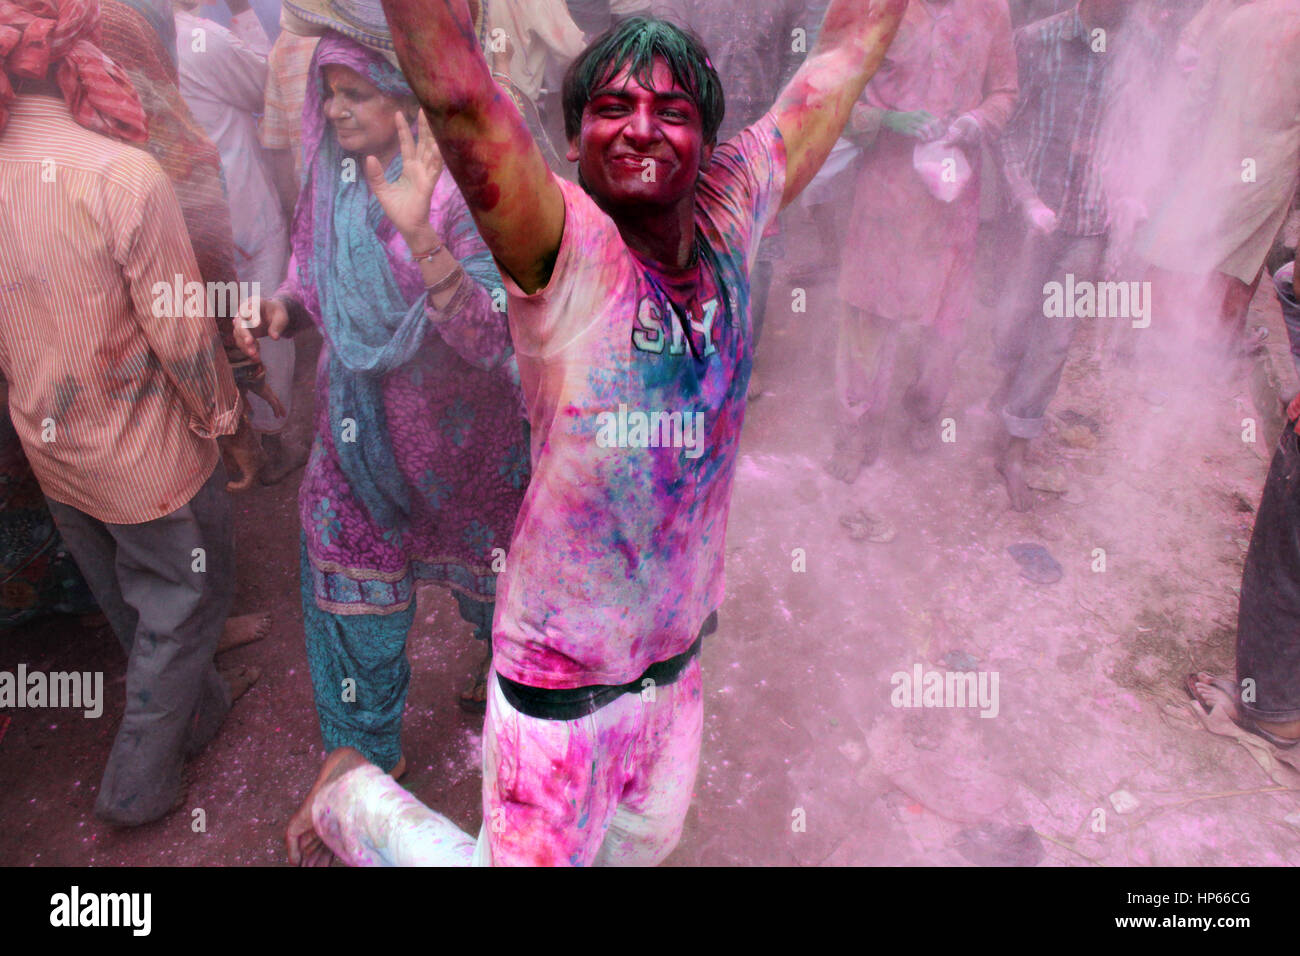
{"x": 631, "y": 289}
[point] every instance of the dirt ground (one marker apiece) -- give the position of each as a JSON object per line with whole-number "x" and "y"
{"x": 1094, "y": 755}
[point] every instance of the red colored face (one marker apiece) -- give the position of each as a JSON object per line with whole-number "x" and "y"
{"x": 639, "y": 145}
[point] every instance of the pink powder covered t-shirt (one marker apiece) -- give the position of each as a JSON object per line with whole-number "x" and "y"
{"x": 635, "y": 379}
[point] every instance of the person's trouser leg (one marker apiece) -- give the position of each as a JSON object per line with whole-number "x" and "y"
{"x": 935, "y": 369}
{"x": 612, "y": 787}
{"x": 1046, "y": 340}
{"x": 864, "y": 363}
{"x": 167, "y": 595}
{"x": 1268, "y": 617}
{"x": 359, "y": 673}
{"x": 647, "y": 825}
{"x": 478, "y": 613}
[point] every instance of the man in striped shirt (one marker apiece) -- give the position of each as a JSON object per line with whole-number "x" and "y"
{"x": 118, "y": 392}
{"x": 1052, "y": 157}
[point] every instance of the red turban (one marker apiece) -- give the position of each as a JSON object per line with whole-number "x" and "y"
{"x": 36, "y": 35}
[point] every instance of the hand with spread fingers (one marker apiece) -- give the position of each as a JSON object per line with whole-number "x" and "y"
{"x": 406, "y": 200}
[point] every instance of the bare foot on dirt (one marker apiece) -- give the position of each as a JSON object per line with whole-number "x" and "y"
{"x": 1011, "y": 465}
{"x": 399, "y": 768}
{"x": 923, "y": 437}
{"x": 243, "y": 456}
{"x": 240, "y": 679}
{"x": 856, "y": 447}
{"x": 304, "y": 845}
{"x": 284, "y": 456}
{"x": 244, "y": 629}
{"x": 1211, "y": 692}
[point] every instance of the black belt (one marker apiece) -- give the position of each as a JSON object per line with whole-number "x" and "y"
{"x": 576, "y": 702}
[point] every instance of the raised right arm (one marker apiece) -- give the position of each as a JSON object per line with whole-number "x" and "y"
{"x": 512, "y": 195}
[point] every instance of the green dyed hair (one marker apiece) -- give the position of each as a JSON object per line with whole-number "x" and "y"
{"x": 635, "y": 44}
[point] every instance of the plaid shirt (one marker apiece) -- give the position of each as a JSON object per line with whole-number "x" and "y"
{"x": 289, "y": 67}
{"x": 1052, "y": 146}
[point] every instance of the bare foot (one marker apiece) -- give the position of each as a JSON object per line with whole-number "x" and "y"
{"x": 399, "y": 768}
{"x": 240, "y": 679}
{"x": 856, "y": 447}
{"x": 922, "y": 437}
{"x": 244, "y": 629}
{"x": 1212, "y": 692}
{"x": 304, "y": 845}
{"x": 1011, "y": 465}
{"x": 243, "y": 455}
{"x": 283, "y": 458}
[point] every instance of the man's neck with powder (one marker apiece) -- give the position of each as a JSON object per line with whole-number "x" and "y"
{"x": 665, "y": 237}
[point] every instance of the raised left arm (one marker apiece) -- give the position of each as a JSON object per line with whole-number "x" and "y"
{"x": 812, "y": 110}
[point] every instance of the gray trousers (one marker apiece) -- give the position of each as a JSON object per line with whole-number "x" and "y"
{"x": 1030, "y": 347}
{"x": 168, "y": 617}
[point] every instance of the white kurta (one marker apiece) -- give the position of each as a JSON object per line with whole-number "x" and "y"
{"x": 1228, "y": 201}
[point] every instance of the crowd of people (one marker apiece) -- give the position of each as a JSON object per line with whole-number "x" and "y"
{"x": 512, "y": 221}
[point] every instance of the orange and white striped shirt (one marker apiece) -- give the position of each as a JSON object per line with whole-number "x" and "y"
{"x": 116, "y": 393}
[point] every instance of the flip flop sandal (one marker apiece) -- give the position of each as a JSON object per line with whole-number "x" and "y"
{"x": 1245, "y": 723}
{"x": 1072, "y": 419}
{"x": 862, "y": 525}
{"x": 1051, "y": 480}
{"x": 1036, "y": 564}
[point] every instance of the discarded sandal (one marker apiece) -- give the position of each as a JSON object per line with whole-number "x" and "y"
{"x": 862, "y": 525}
{"x": 1036, "y": 564}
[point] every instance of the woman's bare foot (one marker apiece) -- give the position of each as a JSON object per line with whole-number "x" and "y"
{"x": 240, "y": 679}
{"x": 284, "y": 456}
{"x": 856, "y": 447}
{"x": 244, "y": 629}
{"x": 923, "y": 437}
{"x": 304, "y": 845}
{"x": 1011, "y": 465}
{"x": 399, "y": 768}
{"x": 1211, "y": 692}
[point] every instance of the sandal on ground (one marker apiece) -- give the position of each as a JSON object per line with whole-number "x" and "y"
{"x": 862, "y": 525}
{"x": 1036, "y": 563}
